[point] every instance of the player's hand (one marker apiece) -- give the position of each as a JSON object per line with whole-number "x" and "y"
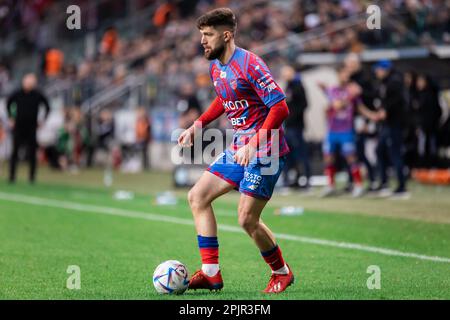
{"x": 12, "y": 124}
{"x": 338, "y": 104}
{"x": 186, "y": 138}
{"x": 381, "y": 115}
{"x": 321, "y": 85}
{"x": 244, "y": 155}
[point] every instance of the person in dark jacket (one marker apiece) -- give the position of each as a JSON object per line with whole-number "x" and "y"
{"x": 391, "y": 116}
{"x": 295, "y": 126}
{"x": 429, "y": 114}
{"x": 364, "y": 127}
{"x": 23, "y": 110}
{"x": 412, "y": 121}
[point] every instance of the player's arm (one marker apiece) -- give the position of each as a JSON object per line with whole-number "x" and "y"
{"x": 322, "y": 86}
{"x": 366, "y": 112}
{"x": 214, "y": 111}
{"x": 277, "y": 114}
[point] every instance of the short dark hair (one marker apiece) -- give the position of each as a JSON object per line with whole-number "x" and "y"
{"x": 218, "y": 17}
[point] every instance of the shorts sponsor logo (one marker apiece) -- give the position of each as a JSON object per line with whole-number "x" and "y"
{"x": 253, "y": 178}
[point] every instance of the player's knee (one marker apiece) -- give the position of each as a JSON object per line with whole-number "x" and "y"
{"x": 192, "y": 197}
{"x": 247, "y": 222}
{"x": 196, "y": 199}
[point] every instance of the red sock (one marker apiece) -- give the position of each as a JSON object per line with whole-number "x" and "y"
{"x": 274, "y": 258}
{"x": 356, "y": 174}
{"x": 330, "y": 171}
{"x": 209, "y": 249}
{"x": 210, "y": 255}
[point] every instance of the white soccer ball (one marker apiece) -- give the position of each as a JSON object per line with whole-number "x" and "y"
{"x": 171, "y": 277}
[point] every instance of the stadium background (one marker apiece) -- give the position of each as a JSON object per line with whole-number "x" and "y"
{"x": 135, "y": 72}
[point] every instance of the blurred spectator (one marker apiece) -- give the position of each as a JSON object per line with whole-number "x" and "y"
{"x": 80, "y": 136}
{"x": 3, "y": 128}
{"x": 64, "y": 143}
{"x": 295, "y": 126}
{"x": 102, "y": 138}
{"x": 53, "y": 62}
{"x": 84, "y": 86}
{"x": 412, "y": 121}
{"x": 163, "y": 14}
{"x": 105, "y": 130}
{"x": 343, "y": 100}
{"x": 429, "y": 112}
{"x": 391, "y": 114}
{"x": 143, "y": 135}
{"x": 4, "y": 79}
{"x": 364, "y": 127}
{"x": 23, "y": 108}
{"x": 109, "y": 44}
{"x": 72, "y": 140}
{"x": 188, "y": 106}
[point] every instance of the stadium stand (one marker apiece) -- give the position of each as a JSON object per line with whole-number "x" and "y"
{"x": 140, "y": 53}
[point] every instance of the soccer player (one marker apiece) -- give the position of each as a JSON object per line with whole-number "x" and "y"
{"x": 343, "y": 102}
{"x": 255, "y": 105}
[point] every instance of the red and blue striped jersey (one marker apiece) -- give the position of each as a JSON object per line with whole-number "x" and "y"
{"x": 247, "y": 91}
{"x": 341, "y": 120}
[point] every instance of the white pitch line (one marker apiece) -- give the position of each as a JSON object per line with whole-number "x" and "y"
{"x": 156, "y": 217}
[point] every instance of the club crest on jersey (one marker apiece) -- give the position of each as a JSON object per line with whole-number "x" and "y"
{"x": 233, "y": 84}
{"x": 223, "y": 74}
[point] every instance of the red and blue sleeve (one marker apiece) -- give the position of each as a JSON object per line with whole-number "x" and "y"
{"x": 262, "y": 82}
{"x": 214, "y": 111}
{"x": 277, "y": 114}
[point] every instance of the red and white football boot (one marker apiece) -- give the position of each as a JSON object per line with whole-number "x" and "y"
{"x": 279, "y": 282}
{"x": 200, "y": 280}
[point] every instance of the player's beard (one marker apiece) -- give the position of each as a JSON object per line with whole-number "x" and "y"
{"x": 216, "y": 53}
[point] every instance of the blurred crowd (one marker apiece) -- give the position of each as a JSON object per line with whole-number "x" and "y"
{"x": 399, "y": 112}
{"x": 69, "y": 140}
{"x": 167, "y": 53}
{"x": 167, "y": 46}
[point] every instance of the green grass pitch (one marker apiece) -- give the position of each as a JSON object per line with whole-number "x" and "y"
{"x": 68, "y": 220}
